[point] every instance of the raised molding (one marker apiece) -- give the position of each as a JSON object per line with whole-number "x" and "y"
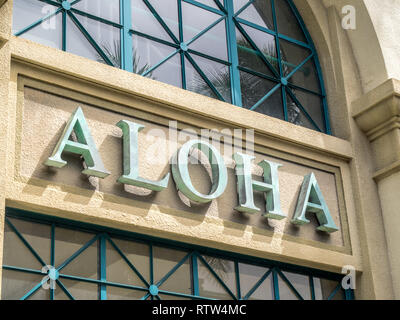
{"x": 377, "y": 113}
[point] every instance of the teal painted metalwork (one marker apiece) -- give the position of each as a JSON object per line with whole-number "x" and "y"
{"x": 150, "y": 290}
{"x": 233, "y": 22}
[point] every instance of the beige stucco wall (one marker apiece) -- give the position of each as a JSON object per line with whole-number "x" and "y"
{"x": 354, "y": 63}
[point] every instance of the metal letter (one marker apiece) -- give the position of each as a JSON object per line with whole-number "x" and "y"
{"x": 270, "y": 186}
{"x": 311, "y": 200}
{"x": 85, "y": 147}
{"x": 131, "y": 176}
{"x": 180, "y": 171}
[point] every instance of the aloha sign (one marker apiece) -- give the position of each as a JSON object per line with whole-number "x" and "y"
{"x": 310, "y": 198}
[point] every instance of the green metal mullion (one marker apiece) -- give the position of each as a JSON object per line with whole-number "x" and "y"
{"x": 284, "y": 103}
{"x": 276, "y": 284}
{"x": 200, "y": 54}
{"x": 31, "y": 26}
{"x": 298, "y": 103}
{"x": 256, "y": 26}
{"x": 52, "y": 255}
{"x": 202, "y": 74}
{"x": 252, "y": 43}
{"x": 147, "y": 36}
{"x": 103, "y": 266}
{"x": 161, "y": 21}
{"x": 217, "y": 277}
{"x": 258, "y": 74}
{"x": 151, "y": 263}
{"x": 21, "y": 237}
{"x": 237, "y": 278}
{"x": 64, "y": 30}
{"x": 297, "y": 42}
{"x": 334, "y": 291}
{"x": 182, "y": 53}
{"x": 298, "y": 295}
{"x": 349, "y": 294}
{"x": 258, "y": 284}
{"x": 243, "y": 8}
{"x": 299, "y": 66}
{"x": 127, "y": 261}
{"x": 183, "y": 295}
{"x": 204, "y": 6}
{"x": 236, "y": 90}
{"x": 160, "y": 63}
{"x": 165, "y": 278}
{"x": 220, "y": 6}
{"x": 270, "y": 93}
{"x": 12, "y": 268}
{"x": 126, "y": 36}
{"x": 63, "y": 288}
{"x": 195, "y": 275}
{"x": 312, "y": 289}
{"x": 212, "y": 25}
{"x": 76, "y": 1}
{"x": 291, "y": 85}
{"x": 77, "y": 253}
{"x": 107, "y": 283}
{"x": 93, "y": 17}
{"x": 32, "y": 291}
{"x": 90, "y": 39}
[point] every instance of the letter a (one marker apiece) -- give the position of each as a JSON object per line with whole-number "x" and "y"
{"x": 311, "y": 200}
{"x": 85, "y": 147}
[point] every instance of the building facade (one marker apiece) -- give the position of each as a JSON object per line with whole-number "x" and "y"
{"x": 286, "y": 109}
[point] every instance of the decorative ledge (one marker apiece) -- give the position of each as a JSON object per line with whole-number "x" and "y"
{"x": 377, "y": 113}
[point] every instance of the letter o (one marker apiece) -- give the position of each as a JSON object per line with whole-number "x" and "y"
{"x": 180, "y": 171}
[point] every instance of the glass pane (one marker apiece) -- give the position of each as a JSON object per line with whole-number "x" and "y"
{"x": 82, "y": 290}
{"x": 106, "y": 37}
{"x": 40, "y": 294}
{"x": 168, "y": 11}
{"x": 265, "y": 291}
{"x": 78, "y": 44}
{"x": 118, "y": 269}
{"x": 238, "y": 4}
{"x": 249, "y": 276}
{"x": 16, "y": 284}
{"x": 254, "y": 88}
{"x": 147, "y": 54}
{"x": 85, "y": 265}
{"x": 169, "y": 72}
{"x": 324, "y": 288}
{"x": 296, "y": 116}
{"x": 300, "y": 282}
{"x": 249, "y": 57}
{"x": 115, "y": 293}
{"x": 195, "y": 20}
{"x": 307, "y": 77}
{"x": 59, "y": 293}
{"x": 217, "y": 73}
{"x": 37, "y": 235}
{"x": 209, "y": 285}
{"x": 48, "y": 33}
{"x": 266, "y": 44}
{"x": 213, "y": 42}
{"x": 16, "y": 253}
{"x": 313, "y": 105}
{"x": 26, "y": 12}
{"x": 287, "y": 21}
{"x": 196, "y": 83}
{"x": 108, "y": 10}
{"x": 164, "y": 260}
{"x": 292, "y": 55}
{"x": 144, "y": 21}
{"x": 260, "y": 13}
{"x": 272, "y": 106}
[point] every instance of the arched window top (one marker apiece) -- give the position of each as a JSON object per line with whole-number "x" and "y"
{"x": 255, "y": 54}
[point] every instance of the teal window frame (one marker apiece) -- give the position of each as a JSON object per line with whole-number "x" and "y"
{"x": 151, "y": 289}
{"x": 226, "y": 12}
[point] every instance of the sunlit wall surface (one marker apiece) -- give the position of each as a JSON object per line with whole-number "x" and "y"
{"x": 254, "y": 54}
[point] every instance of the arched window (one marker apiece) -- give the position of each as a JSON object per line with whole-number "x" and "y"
{"x": 255, "y": 54}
